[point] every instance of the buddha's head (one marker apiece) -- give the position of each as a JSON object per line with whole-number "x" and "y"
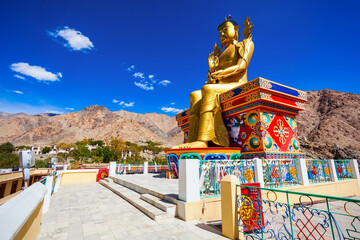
{"x": 228, "y": 31}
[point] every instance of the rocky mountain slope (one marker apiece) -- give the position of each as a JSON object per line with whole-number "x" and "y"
{"x": 329, "y": 127}
{"x": 331, "y": 121}
{"x": 95, "y": 122}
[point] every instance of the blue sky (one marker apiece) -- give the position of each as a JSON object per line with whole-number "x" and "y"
{"x": 62, "y": 56}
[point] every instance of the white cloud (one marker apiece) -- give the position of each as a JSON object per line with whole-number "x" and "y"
{"x": 139, "y": 75}
{"x": 124, "y": 104}
{"x": 152, "y": 78}
{"x": 115, "y": 101}
{"x": 131, "y": 68}
{"x": 171, "y": 109}
{"x": 131, "y": 104}
{"x": 18, "y": 76}
{"x": 17, "y": 91}
{"x": 69, "y": 108}
{"x": 164, "y": 82}
{"x": 36, "y": 72}
{"x": 74, "y": 39}
{"x": 144, "y": 86}
{"x": 16, "y": 107}
{"x": 172, "y": 103}
{"x": 146, "y": 83}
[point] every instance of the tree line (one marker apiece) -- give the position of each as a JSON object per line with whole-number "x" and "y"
{"x": 103, "y": 152}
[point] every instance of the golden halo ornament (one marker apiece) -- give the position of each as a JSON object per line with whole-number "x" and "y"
{"x": 249, "y": 175}
{"x": 356, "y": 216}
{"x": 246, "y": 209}
{"x": 267, "y": 195}
{"x": 349, "y": 169}
{"x": 103, "y": 175}
{"x": 293, "y": 172}
{"x": 326, "y": 170}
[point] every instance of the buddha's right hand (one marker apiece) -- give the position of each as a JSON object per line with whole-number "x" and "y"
{"x": 210, "y": 79}
{"x": 213, "y": 61}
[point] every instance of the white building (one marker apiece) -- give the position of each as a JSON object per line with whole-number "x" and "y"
{"x": 36, "y": 150}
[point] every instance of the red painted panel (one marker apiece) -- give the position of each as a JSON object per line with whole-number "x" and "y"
{"x": 251, "y": 222}
{"x": 283, "y": 100}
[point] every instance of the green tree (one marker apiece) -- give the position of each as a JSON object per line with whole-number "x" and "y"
{"x": 8, "y": 160}
{"x": 80, "y": 152}
{"x": 118, "y": 146}
{"x": 7, "y": 147}
{"x": 99, "y": 143}
{"x": 42, "y": 163}
{"x": 23, "y": 147}
{"x": 46, "y": 150}
{"x": 103, "y": 154}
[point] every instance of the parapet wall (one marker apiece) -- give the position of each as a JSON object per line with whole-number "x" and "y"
{"x": 79, "y": 176}
{"x": 21, "y": 215}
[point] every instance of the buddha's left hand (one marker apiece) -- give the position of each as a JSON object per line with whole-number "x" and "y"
{"x": 217, "y": 74}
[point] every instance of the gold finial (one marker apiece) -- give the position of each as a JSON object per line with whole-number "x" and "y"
{"x": 247, "y": 30}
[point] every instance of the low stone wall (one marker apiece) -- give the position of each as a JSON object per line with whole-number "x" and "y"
{"x": 79, "y": 176}
{"x": 207, "y": 209}
{"x": 21, "y": 215}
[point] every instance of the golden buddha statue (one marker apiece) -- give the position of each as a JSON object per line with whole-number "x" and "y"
{"x": 227, "y": 70}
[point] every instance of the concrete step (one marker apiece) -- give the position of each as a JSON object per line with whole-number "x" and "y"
{"x": 166, "y": 206}
{"x": 108, "y": 179}
{"x": 122, "y": 191}
{"x": 134, "y": 198}
{"x": 143, "y": 190}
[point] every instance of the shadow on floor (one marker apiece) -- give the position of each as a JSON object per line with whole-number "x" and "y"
{"x": 211, "y": 226}
{"x": 160, "y": 175}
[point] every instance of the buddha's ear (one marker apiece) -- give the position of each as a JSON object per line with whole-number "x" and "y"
{"x": 237, "y": 32}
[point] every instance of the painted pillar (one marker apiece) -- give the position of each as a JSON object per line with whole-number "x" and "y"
{"x": 302, "y": 171}
{"x": 333, "y": 170}
{"x": 145, "y": 168}
{"x": 355, "y": 169}
{"x": 259, "y": 174}
{"x": 49, "y": 183}
{"x": 112, "y": 168}
{"x": 189, "y": 186}
{"x": 229, "y": 213}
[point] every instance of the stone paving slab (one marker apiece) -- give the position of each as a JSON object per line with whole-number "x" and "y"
{"x": 91, "y": 211}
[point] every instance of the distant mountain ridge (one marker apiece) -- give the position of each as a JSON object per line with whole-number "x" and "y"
{"x": 329, "y": 127}
{"x": 92, "y": 122}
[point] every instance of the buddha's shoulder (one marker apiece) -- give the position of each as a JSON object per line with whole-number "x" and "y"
{"x": 244, "y": 42}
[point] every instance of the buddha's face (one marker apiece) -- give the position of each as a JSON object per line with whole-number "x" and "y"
{"x": 228, "y": 33}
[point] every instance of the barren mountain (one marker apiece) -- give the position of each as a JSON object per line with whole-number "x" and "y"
{"x": 329, "y": 127}
{"x": 331, "y": 120}
{"x": 12, "y": 128}
{"x": 163, "y": 122}
{"x": 95, "y": 122}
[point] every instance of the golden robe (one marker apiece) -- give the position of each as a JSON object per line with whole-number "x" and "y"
{"x": 205, "y": 117}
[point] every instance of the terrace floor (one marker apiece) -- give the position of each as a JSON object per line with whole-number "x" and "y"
{"x": 91, "y": 211}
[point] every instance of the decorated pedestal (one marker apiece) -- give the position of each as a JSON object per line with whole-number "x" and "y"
{"x": 206, "y": 154}
{"x": 261, "y": 119}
